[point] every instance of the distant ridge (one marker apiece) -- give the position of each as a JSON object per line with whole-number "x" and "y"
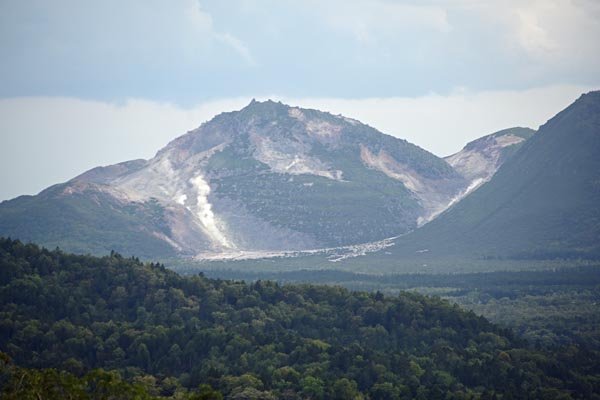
{"x": 544, "y": 201}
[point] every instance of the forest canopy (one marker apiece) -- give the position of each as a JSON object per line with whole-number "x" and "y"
{"x": 166, "y": 335}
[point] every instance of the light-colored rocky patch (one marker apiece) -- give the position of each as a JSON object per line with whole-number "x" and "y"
{"x": 297, "y": 113}
{"x": 433, "y": 195}
{"x": 388, "y": 165}
{"x": 80, "y": 187}
{"x": 508, "y": 140}
{"x": 480, "y": 162}
{"x": 184, "y": 187}
{"x": 181, "y": 199}
{"x": 333, "y": 254}
{"x": 473, "y": 164}
{"x": 323, "y": 130}
{"x": 167, "y": 239}
{"x": 351, "y": 121}
{"x": 472, "y": 186}
{"x": 289, "y": 157}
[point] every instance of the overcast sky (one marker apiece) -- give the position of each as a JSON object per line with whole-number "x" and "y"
{"x": 87, "y": 83}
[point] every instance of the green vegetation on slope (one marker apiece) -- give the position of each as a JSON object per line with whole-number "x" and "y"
{"x": 263, "y": 340}
{"x": 18, "y": 383}
{"x": 327, "y": 210}
{"x": 366, "y": 205}
{"x": 548, "y": 308}
{"x": 543, "y": 203}
{"x": 507, "y": 151}
{"x": 87, "y": 222}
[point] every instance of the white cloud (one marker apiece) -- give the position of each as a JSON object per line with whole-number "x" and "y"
{"x": 546, "y": 30}
{"x": 204, "y": 23}
{"x": 190, "y": 50}
{"x": 537, "y": 41}
{"x": 531, "y": 35}
{"x": 49, "y": 140}
{"x": 238, "y": 46}
{"x": 113, "y": 33}
{"x": 370, "y": 20}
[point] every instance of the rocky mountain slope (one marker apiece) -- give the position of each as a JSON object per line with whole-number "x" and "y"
{"x": 479, "y": 160}
{"x": 544, "y": 201}
{"x": 267, "y": 177}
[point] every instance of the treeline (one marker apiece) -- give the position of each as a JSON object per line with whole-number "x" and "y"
{"x": 170, "y": 334}
{"x": 582, "y": 276}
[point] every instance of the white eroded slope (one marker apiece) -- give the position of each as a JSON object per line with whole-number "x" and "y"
{"x": 482, "y": 161}
{"x": 434, "y": 195}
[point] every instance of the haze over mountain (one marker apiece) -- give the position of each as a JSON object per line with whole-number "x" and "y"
{"x": 544, "y": 201}
{"x": 267, "y": 177}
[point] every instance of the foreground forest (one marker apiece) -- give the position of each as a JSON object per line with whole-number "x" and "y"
{"x": 77, "y": 326}
{"x": 556, "y": 305}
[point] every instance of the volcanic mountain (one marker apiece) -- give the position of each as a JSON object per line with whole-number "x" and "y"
{"x": 267, "y": 177}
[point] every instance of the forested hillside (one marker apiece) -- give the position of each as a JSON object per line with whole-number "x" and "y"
{"x": 166, "y": 335}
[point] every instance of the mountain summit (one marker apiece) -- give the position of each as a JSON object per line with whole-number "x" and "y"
{"x": 267, "y": 177}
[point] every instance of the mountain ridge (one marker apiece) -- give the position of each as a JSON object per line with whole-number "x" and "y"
{"x": 541, "y": 203}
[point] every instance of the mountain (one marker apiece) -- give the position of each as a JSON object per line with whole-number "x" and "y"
{"x": 267, "y": 177}
{"x": 543, "y": 202}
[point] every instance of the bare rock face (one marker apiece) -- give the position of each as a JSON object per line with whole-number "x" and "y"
{"x": 479, "y": 160}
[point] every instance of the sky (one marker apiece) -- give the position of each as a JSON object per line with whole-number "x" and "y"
{"x": 88, "y": 83}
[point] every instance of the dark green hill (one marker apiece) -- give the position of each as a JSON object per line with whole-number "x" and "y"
{"x": 262, "y": 340}
{"x": 544, "y": 202}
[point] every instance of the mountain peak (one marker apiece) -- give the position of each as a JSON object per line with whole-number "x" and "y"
{"x": 593, "y": 94}
{"x": 262, "y": 106}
